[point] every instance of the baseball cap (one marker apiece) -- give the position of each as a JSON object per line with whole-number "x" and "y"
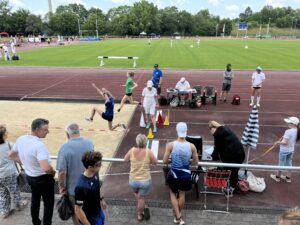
{"x": 259, "y": 68}
{"x": 182, "y": 79}
{"x": 181, "y": 129}
{"x": 228, "y": 65}
{"x": 149, "y": 83}
{"x": 292, "y": 120}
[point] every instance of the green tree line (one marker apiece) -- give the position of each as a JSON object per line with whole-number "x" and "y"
{"x": 132, "y": 20}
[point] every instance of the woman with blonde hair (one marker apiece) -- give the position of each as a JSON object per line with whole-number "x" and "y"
{"x": 227, "y": 148}
{"x": 9, "y": 189}
{"x": 139, "y": 178}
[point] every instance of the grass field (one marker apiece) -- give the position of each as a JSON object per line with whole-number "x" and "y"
{"x": 210, "y": 54}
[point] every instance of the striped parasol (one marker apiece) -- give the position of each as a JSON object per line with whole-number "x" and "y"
{"x": 251, "y": 132}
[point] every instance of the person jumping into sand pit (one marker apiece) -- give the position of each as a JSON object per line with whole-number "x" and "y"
{"x": 109, "y": 109}
{"x": 130, "y": 85}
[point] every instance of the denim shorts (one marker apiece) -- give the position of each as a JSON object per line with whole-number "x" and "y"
{"x": 285, "y": 158}
{"x": 140, "y": 187}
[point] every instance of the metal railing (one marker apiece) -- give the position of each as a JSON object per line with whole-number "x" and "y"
{"x": 217, "y": 164}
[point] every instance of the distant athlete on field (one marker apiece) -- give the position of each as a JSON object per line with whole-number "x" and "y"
{"x": 130, "y": 85}
{"x": 109, "y": 109}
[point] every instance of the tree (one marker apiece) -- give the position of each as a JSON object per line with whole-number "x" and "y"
{"x": 143, "y": 16}
{"x": 65, "y": 23}
{"x": 4, "y": 15}
{"x": 18, "y": 21}
{"x": 185, "y": 23}
{"x": 245, "y": 15}
{"x": 33, "y": 24}
{"x": 118, "y": 20}
{"x": 77, "y": 9}
{"x": 169, "y": 17}
{"x": 90, "y": 24}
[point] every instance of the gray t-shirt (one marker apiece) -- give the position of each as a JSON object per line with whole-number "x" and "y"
{"x": 291, "y": 136}
{"x": 7, "y": 165}
{"x": 69, "y": 160}
{"x": 228, "y": 76}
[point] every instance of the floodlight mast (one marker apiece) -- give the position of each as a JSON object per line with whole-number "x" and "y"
{"x": 50, "y": 6}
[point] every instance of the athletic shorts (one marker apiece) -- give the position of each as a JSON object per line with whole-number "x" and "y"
{"x": 150, "y": 109}
{"x": 128, "y": 94}
{"x": 177, "y": 185}
{"x": 256, "y": 88}
{"x": 108, "y": 118}
{"x": 226, "y": 87}
{"x": 140, "y": 187}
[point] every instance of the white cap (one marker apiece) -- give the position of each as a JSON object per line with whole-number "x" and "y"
{"x": 182, "y": 79}
{"x": 259, "y": 68}
{"x": 181, "y": 129}
{"x": 292, "y": 120}
{"x": 149, "y": 83}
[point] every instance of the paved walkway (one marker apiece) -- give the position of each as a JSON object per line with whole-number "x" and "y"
{"x": 126, "y": 214}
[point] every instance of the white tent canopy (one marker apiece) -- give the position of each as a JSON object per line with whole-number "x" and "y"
{"x": 143, "y": 33}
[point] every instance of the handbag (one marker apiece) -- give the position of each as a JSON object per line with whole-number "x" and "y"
{"x": 22, "y": 180}
{"x": 256, "y": 184}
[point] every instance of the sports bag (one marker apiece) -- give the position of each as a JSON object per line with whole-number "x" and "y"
{"x": 15, "y": 57}
{"x": 236, "y": 100}
{"x": 163, "y": 100}
{"x": 256, "y": 184}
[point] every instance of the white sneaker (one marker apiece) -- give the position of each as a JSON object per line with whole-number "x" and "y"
{"x": 180, "y": 221}
{"x": 273, "y": 176}
{"x": 88, "y": 119}
{"x": 251, "y": 104}
{"x": 258, "y": 105}
{"x": 284, "y": 178}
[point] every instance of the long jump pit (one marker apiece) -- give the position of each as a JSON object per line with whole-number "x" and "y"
{"x": 18, "y": 115}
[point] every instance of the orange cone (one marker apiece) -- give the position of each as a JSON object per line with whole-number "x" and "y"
{"x": 166, "y": 123}
{"x": 150, "y": 134}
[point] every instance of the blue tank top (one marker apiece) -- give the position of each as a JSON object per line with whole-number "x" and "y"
{"x": 180, "y": 156}
{"x": 109, "y": 107}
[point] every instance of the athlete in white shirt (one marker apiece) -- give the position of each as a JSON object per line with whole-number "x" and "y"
{"x": 13, "y": 48}
{"x": 258, "y": 78}
{"x": 150, "y": 103}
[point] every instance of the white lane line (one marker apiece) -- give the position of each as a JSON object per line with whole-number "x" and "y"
{"x": 51, "y": 86}
{"x": 232, "y": 124}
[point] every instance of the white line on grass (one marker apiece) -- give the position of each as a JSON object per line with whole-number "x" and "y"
{"x": 220, "y": 111}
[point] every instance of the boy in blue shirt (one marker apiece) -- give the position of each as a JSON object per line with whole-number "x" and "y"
{"x": 157, "y": 78}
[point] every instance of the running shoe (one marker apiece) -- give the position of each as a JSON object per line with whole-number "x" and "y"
{"x": 274, "y": 177}
{"x": 88, "y": 119}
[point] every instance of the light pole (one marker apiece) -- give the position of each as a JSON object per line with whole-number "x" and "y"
{"x": 268, "y": 27}
{"x": 217, "y": 26}
{"x": 292, "y": 27}
{"x": 295, "y": 27}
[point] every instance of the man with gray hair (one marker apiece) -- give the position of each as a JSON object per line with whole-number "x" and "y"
{"x": 69, "y": 162}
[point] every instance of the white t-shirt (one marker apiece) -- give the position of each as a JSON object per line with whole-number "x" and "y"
{"x": 13, "y": 47}
{"x": 31, "y": 150}
{"x": 257, "y": 79}
{"x": 291, "y": 136}
{"x": 149, "y": 96}
{"x": 183, "y": 86}
{"x": 5, "y": 49}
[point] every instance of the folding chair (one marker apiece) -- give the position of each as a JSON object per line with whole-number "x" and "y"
{"x": 200, "y": 93}
{"x": 210, "y": 92}
{"x": 218, "y": 183}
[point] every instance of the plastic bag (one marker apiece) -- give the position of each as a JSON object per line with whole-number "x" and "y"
{"x": 64, "y": 208}
{"x": 256, "y": 184}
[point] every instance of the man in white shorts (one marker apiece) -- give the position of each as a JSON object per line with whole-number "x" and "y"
{"x": 150, "y": 103}
{"x": 258, "y": 78}
{"x": 13, "y": 48}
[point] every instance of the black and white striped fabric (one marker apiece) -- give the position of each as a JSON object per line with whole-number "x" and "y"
{"x": 251, "y": 132}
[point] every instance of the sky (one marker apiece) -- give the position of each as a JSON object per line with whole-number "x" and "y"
{"x": 223, "y": 8}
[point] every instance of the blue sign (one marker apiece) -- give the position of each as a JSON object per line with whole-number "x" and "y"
{"x": 243, "y": 26}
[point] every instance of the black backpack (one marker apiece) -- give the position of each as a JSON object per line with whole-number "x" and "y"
{"x": 15, "y": 57}
{"x": 236, "y": 100}
{"x": 163, "y": 100}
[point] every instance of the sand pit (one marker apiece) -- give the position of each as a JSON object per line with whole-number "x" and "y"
{"x": 18, "y": 116}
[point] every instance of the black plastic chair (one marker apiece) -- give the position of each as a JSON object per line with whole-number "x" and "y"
{"x": 211, "y": 93}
